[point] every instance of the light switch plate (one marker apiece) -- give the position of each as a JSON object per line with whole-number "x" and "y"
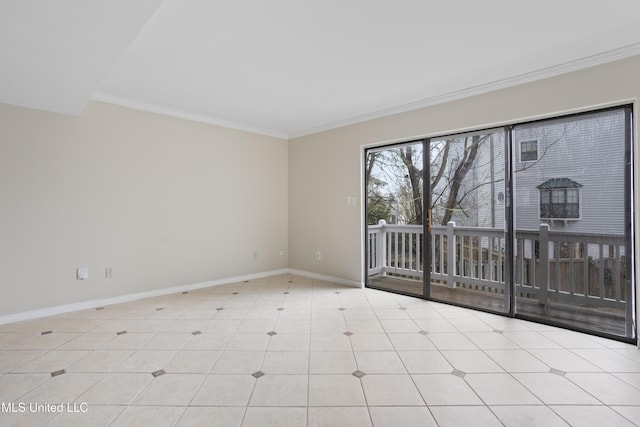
{"x": 82, "y": 273}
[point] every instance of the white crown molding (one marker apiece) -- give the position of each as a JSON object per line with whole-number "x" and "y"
{"x": 576, "y": 65}
{"x": 129, "y": 103}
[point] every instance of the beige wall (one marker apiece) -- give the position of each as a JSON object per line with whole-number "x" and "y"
{"x": 163, "y": 201}
{"x": 326, "y": 167}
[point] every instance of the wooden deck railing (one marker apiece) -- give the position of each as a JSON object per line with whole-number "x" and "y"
{"x": 583, "y": 269}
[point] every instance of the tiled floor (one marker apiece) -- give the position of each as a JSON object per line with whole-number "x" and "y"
{"x": 292, "y": 351}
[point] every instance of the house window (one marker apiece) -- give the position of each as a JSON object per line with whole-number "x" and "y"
{"x": 559, "y": 199}
{"x": 528, "y": 151}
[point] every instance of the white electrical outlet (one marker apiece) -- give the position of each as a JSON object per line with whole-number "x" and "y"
{"x": 82, "y": 273}
{"x": 108, "y": 273}
{"x": 318, "y": 256}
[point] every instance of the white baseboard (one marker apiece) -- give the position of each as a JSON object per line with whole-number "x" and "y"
{"x": 326, "y": 278}
{"x": 85, "y": 305}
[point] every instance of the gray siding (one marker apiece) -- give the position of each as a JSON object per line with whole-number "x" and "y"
{"x": 588, "y": 149}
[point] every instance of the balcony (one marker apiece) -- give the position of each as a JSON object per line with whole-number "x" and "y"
{"x": 566, "y": 278}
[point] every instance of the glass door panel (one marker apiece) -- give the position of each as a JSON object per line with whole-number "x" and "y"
{"x": 467, "y": 228}
{"x": 395, "y": 214}
{"x": 572, "y": 222}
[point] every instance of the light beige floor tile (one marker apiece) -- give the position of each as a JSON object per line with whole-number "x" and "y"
{"x": 554, "y": 389}
{"x": 248, "y": 342}
{"x": 470, "y": 325}
{"x": 379, "y": 362}
{"x": 100, "y": 361}
{"x": 609, "y": 360}
{"x": 328, "y": 326}
{"x": 564, "y": 360}
{"x": 280, "y": 390}
{"x": 170, "y": 390}
{"x": 212, "y": 417}
{"x": 451, "y": 341}
{"x": 206, "y": 341}
{"x": 192, "y": 361}
{"x": 146, "y": 361}
{"x": 391, "y": 313}
{"x": 341, "y": 416}
{"x": 630, "y": 378}
{"x": 411, "y": 342}
{"x": 425, "y": 362}
{"x": 402, "y": 416}
{"x": 275, "y": 417}
{"x": 367, "y": 342}
{"x": 607, "y": 388}
{"x": 53, "y": 361}
{"x": 330, "y": 342}
{"x": 286, "y": 362}
{"x": 10, "y": 360}
{"x": 62, "y": 388}
{"x": 88, "y": 341}
{"x": 286, "y": 325}
{"x": 391, "y": 390}
{"x": 528, "y": 416}
{"x": 95, "y": 416}
{"x": 445, "y": 389}
{"x": 631, "y": 413}
{"x": 224, "y": 390}
{"x": 221, "y": 326}
{"x": 256, "y": 326}
{"x": 456, "y": 416}
{"x": 238, "y": 362}
{"x": 167, "y": 341}
{"x": 332, "y": 362}
{"x": 13, "y": 386}
{"x": 366, "y": 326}
{"x": 500, "y": 389}
{"x": 571, "y": 339}
{"x": 591, "y": 416}
{"x": 435, "y": 325}
{"x": 392, "y": 326}
{"x": 531, "y": 340}
{"x": 471, "y": 361}
{"x": 128, "y": 341}
{"x": 289, "y": 342}
{"x": 335, "y": 390}
{"x": 116, "y": 389}
{"x": 156, "y": 416}
{"x": 491, "y": 341}
{"x": 517, "y": 361}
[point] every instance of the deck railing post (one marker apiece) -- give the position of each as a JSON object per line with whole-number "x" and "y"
{"x": 543, "y": 269}
{"x": 381, "y": 248}
{"x": 451, "y": 255}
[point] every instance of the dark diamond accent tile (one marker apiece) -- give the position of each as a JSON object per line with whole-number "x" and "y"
{"x": 280, "y": 309}
{"x": 258, "y": 374}
{"x": 342, "y": 309}
{"x": 159, "y": 308}
{"x": 358, "y": 374}
{"x": 56, "y": 373}
{"x": 423, "y": 332}
{"x": 196, "y": 332}
{"x": 236, "y": 293}
{"x": 458, "y": 373}
{"x": 158, "y": 373}
{"x": 348, "y": 333}
{"x": 246, "y": 281}
{"x": 557, "y": 372}
{"x": 121, "y": 332}
{"x": 185, "y": 292}
{"x": 498, "y": 331}
{"x": 337, "y": 292}
{"x": 290, "y": 281}
{"x": 219, "y": 308}
{"x": 402, "y": 308}
{"x": 286, "y": 293}
{"x": 46, "y": 332}
{"x": 272, "y": 333}
{"x": 99, "y": 308}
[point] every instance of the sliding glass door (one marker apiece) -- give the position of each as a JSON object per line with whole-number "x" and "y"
{"x": 467, "y": 213}
{"x": 531, "y": 220}
{"x": 395, "y": 218}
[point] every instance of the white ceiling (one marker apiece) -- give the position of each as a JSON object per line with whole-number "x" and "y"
{"x": 292, "y": 67}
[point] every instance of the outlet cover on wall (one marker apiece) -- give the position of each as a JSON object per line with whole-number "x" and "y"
{"x": 318, "y": 256}
{"x": 82, "y": 273}
{"x": 108, "y": 272}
